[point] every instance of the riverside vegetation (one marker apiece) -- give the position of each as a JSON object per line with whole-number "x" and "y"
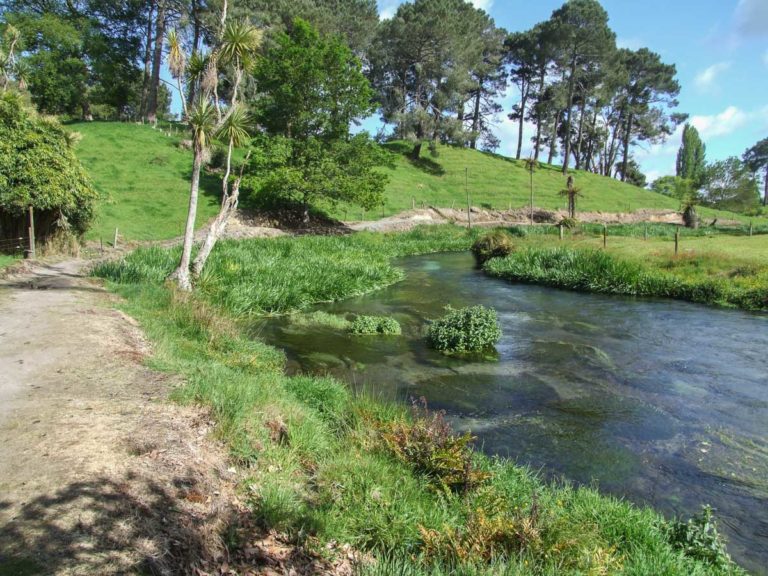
{"x": 393, "y": 483}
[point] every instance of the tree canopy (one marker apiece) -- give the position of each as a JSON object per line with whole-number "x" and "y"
{"x": 39, "y": 169}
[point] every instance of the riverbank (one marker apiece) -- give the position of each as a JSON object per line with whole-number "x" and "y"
{"x": 327, "y": 468}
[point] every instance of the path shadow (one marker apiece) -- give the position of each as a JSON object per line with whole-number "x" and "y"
{"x": 106, "y": 527}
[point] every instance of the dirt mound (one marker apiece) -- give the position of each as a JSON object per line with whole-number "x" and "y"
{"x": 486, "y": 217}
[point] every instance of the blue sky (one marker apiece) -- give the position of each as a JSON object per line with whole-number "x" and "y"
{"x": 720, "y": 48}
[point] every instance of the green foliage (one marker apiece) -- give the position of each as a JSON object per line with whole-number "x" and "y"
{"x": 427, "y": 444}
{"x": 467, "y": 330}
{"x": 75, "y": 62}
{"x": 38, "y": 167}
{"x": 298, "y": 173}
{"x": 698, "y": 538}
{"x": 691, "y": 158}
{"x": 311, "y": 90}
{"x": 568, "y": 223}
{"x": 493, "y": 245}
{"x": 730, "y": 185}
{"x": 422, "y": 103}
{"x": 370, "y": 325}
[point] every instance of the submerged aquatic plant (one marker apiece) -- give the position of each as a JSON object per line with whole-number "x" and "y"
{"x": 370, "y": 325}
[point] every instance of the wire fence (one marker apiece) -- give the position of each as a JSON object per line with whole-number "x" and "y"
{"x": 18, "y": 245}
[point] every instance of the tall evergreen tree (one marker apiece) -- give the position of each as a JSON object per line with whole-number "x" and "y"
{"x": 691, "y": 158}
{"x": 420, "y": 67}
{"x": 757, "y": 160}
{"x": 584, "y": 41}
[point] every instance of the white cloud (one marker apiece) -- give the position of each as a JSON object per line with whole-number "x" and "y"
{"x": 482, "y": 4}
{"x": 728, "y": 121}
{"x": 751, "y": 18}
{"x": 388, "y": 8}
{"x": 630, "y": 43}
{"x": 765, "y": 58}
{"x": 706, "y": 80}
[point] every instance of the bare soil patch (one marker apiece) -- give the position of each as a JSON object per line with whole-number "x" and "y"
{"x": 98, "y": 475}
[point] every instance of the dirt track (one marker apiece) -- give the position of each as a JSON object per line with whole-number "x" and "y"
{"x": 97, "y": 474}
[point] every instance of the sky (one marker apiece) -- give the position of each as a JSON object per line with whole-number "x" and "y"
{"x": 720, "y": 48}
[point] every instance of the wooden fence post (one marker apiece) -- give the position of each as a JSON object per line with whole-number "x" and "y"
{"x": 561, "y": 231}
{"x": 114, "y": 242}
{"x": 677, "y": 240}
{"x": 605, "y": 235}
{"x": 31, "y": 231}
{"x": 469, "y": 204}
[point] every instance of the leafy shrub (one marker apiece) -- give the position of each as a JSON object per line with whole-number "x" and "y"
{"x": 427, "y": 444}
{"x": 471, "y": 329}
{"x": 698, "y": 538}
{"x": 39, "y": 169}
{"x": 368, "y": 325}
{"x": 494, "y": 245}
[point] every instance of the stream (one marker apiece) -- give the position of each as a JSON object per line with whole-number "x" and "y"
{"x": 659, "y": 401}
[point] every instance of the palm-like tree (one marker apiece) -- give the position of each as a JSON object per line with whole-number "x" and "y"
{"x": 235, "y": 131}
{"x": 202, "y": 121}
{"x": 177, "y": 64}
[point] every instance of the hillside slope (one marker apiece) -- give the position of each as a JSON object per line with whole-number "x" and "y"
{"x": 144, "y": 178}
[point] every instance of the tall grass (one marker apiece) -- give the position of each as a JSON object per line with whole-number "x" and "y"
{"x": 590, "y": 270}
{"x": 274, "y": 276}
{"x": 318, "y": 467}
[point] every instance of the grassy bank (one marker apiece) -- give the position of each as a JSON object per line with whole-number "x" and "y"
{"x": 323, "y": 465}
{"x": 715, "y": 269}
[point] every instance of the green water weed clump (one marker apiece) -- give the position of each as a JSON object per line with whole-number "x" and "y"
{"x": 371, "y": 325}
{"x": 467, "y": 330}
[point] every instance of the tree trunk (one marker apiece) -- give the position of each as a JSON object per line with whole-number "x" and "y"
{"x": 571, "y": 90}
{"x": 765, "y": 193}
{"x": 553, "y": 137}
{"x": 157, "y": 61}
{"x": 147, "y": 62}
{"x": 537, "y": 145}
{"x": 580, "y": 134}
{"x": 523, "y": 102}
{"x": 229, "y": 204}
{"x": 627, "y": 138}
{"x": 181, "y": 275}
{"x": 476, "y": 116}
{"x": 86, "y": 107}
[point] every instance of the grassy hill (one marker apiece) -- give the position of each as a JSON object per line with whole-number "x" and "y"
{"x": 144, "y": 177}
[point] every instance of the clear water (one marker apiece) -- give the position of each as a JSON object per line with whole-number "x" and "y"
{"x": 662, "y": 402}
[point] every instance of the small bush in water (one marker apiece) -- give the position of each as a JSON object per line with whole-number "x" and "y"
{"x": 494, "y": 245}
{"x": 365, "y": 325}
{"x": 472, "y": 329}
